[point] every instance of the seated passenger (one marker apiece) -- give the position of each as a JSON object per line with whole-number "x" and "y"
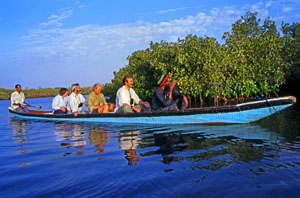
{"x": 96, "y": 101}
{"x": 181, "y": 99}
{"x": 76, "y": 100}
{"x": 17, "y": 100}
{"x": 59, "y": 103}
{"x": 127, "y": 101}
{"x": 166, "y": 98}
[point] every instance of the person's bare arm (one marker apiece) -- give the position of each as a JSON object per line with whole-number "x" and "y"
{"x": 144, "y": 104}
{"x": 172, "y": 85}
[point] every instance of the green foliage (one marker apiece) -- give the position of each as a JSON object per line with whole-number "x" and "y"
{"x": 291, "y": 52}
{"x": 254, "y": 56}
{"x": 251, "y": 62}
{"x": 5, "y": 94}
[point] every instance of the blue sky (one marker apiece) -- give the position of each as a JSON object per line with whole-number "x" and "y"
{"x": 54, "y": 43}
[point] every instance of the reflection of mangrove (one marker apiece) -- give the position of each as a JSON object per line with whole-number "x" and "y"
{"x": 70, "y": 135}
{"x": 98, "y": 136}
{"x": 19, "y": 134}
{"x": 286, "y": 123}
{"x": 245, "y": 151}
{"x": 129, "y": 142}
{"x": 213, "y": 147}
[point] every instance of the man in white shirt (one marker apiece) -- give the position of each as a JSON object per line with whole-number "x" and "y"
{"x": 127, "y": 100}
{"x": 76, "y": 100}
{"x": 17, "y": 100}
{"x": 59, "y": 103}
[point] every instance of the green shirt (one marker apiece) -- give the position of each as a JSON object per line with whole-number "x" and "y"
{"x": 93, "y": 100}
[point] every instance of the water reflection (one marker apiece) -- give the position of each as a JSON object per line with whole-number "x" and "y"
{"x": 210, "y": 147}
{"x": 19, "y": 134}
{"x": 98, "y": 136}
{"x": 286, "y": 123}
{"x": 129, "y": 141}
{"x": 70, "y": 135}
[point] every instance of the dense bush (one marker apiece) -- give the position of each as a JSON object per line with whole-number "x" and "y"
{"x": 254, "y": 60}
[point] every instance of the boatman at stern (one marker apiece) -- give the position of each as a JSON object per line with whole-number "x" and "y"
{"x": 17, "y": 100}
{"x": 166, "y": 98}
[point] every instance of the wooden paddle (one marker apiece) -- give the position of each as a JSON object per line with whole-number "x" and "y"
{"x": 37, "y": 107}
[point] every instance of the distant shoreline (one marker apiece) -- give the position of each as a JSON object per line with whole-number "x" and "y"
{"x": 37, "y": 93}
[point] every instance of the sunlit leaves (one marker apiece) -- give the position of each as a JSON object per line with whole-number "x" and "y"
{"x": 249, "y": 63}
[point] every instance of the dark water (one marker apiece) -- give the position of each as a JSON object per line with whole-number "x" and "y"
{"x": 61, "y": 159}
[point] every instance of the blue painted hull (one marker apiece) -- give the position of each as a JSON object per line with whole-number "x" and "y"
{"x": 243, "y": 113}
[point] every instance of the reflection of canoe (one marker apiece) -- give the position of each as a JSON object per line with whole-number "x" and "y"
{"x": 230, "y": 132}
{"x": 241, "y": 113}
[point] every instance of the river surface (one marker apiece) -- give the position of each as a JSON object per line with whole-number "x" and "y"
{"x": 62, "y": 159}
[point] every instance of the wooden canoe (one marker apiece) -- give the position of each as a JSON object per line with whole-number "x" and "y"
{"x": 230, "y": 114}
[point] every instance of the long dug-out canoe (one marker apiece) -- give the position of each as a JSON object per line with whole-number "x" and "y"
{"x": 230, "y": 114}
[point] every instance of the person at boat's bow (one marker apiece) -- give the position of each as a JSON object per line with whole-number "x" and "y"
{"x": 17, "y": 100}
{"x": 96, "y": 101}
{"x": 166, "y": 98}
{"x": 76, "y": 100}
{"x": 127, "y": 101}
